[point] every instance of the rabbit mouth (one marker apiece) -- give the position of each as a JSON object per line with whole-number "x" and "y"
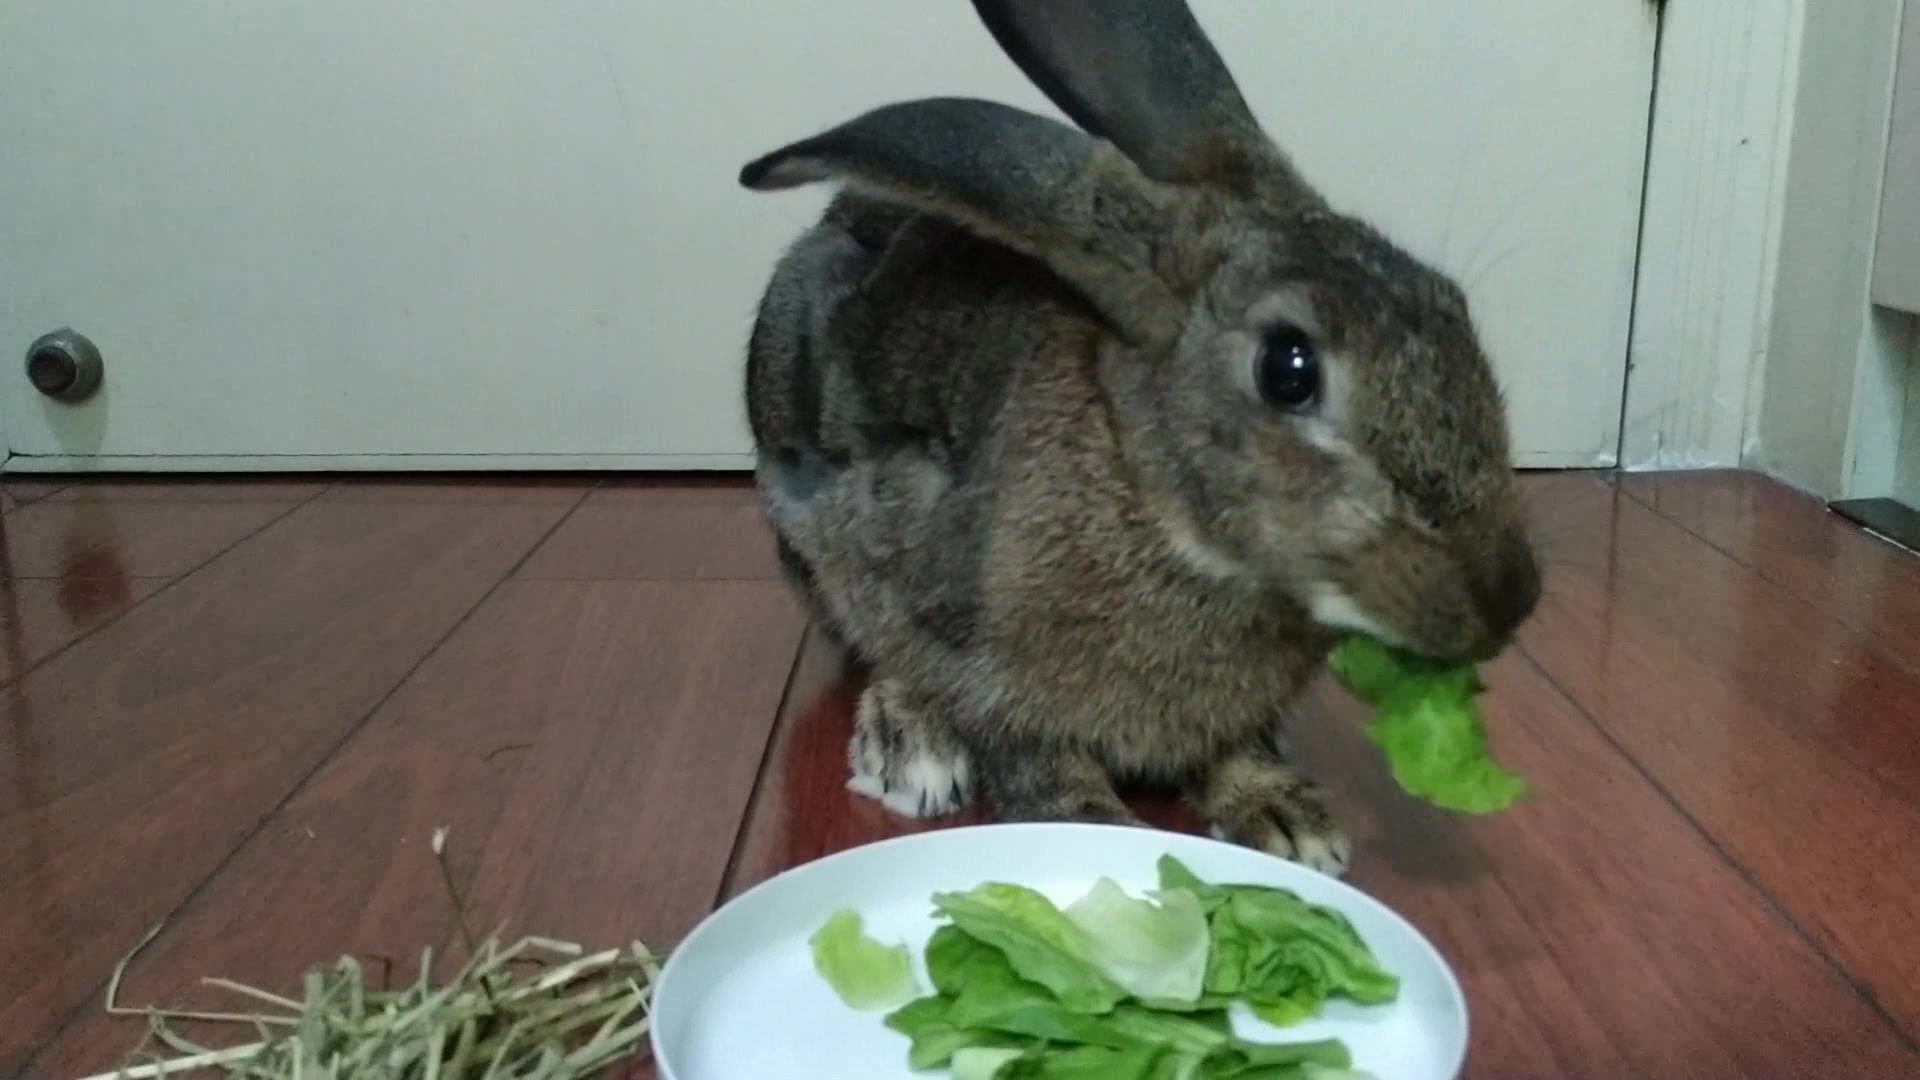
{"x": 1452, "y": 614}
{"x": 1333, "y": 608}
{"x": 1453, "y": 596}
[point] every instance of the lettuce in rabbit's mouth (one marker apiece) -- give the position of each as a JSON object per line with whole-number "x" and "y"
{"x": 1426, "y": 723}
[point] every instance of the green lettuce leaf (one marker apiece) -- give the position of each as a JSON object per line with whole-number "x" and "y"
{"x": 1426, "y": 724}
{"x": 955, "y": 958}
{"x": 867, "y": 975}
{"x": 982, "y": 1063}
{"x": 1025, "y": 991}
{"x": 1282, "y": 955}
{"x": 935, "y": 1038}
{"x": 1437, "y": 749}
{"x": 994, "y": 1007}
{"x": 1037, "y": 938}
{"x": 993, "y": 997}
{"x": 1370, "y": 670}
{"x": 1094, "y": 1063}
{"x": 1156, "y": 952}
{"x": 1174, "y": 876}
{"x": 1303, "y": 1061}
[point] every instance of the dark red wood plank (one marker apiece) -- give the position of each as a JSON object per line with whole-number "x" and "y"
{"x": 711, "y": 528}
{"x": 126, "y": 538}
{"x": 132, "y": 764}
{"x": 542, "y": 488}
{"x": 622, "y": 824}
{"x": 40, "y": 615}
{"x": 169, "y": 488}
{"x": 591, "y": 747}
{"x": 18, "y": 491}
{"x": 1599, "y": 934}
{"x": 1599, "y": 931}
{"x": 1785, "y": 732}
{"x": 1792, "y": 540}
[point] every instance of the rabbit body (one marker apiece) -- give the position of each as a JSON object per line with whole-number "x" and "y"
{"x": 1035, "y": 435}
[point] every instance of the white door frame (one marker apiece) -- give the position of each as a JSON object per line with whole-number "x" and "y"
{"x": 1716, "y": 166}
{"x": 1755, "y": 341}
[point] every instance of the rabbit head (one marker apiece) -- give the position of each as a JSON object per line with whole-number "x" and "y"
{"x": 1305, "y": 406}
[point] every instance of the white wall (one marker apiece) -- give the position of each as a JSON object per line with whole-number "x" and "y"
{"x": 507, "y": 233}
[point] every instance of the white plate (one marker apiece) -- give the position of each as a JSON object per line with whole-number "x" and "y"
{"x": 740, "y": 1000}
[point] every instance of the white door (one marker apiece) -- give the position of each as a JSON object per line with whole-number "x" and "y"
{"x": 506, "y": 233}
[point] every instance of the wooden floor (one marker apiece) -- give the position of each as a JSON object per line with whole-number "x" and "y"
{"x": 242, "y": 708}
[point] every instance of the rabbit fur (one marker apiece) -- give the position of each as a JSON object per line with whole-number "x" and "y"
{"x": 1013, "y": 440}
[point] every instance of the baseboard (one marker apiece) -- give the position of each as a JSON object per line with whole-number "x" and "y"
{"x": 1890, "y": 519}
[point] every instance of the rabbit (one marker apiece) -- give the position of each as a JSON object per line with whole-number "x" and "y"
{"x": 1089, "y": 441}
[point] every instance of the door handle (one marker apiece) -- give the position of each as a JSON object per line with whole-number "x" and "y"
{"x": 64, "y": 365}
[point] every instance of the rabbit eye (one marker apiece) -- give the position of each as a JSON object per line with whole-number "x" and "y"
{"x": 1287, "y": 372}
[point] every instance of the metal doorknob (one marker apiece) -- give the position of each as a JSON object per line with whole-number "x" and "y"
{"x": 64, "y": 365}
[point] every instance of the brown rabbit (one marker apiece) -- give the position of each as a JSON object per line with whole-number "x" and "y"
{"x": 1091, "y": 443}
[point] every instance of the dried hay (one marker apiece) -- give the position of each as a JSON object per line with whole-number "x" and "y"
{"x": 537, "y": 1009}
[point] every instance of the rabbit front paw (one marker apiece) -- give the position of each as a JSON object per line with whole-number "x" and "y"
{"x": 902, "y": 758}
{"x": 1256, "y": 799}
{"x": 1298, "y": 828}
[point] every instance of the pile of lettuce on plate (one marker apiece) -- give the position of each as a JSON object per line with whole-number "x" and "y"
{"x": 1113, "y": 987}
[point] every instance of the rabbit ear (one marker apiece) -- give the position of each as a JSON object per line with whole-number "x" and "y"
{"x": 1036, "y": 185}
{"x": 1142, "y": 75}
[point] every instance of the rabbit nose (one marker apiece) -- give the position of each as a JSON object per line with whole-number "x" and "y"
{"x": 1508, "y": 589}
